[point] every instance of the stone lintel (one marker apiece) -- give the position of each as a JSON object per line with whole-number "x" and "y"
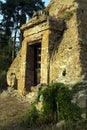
{"x": 49, "y": 24}
{"x": 46, "y": 21}
{"x": 34, "y": 21}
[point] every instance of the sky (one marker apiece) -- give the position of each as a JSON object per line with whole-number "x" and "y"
{"x": 46, "y": 2}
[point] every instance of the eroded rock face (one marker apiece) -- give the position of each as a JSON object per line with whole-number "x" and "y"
{"x": 69, "y": 54}
{"x": 34, "y": 55}
{"x": 61, "y": 36}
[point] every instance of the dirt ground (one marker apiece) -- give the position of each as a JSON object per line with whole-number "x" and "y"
{"x": 12, "y": 109}
{"x": 11, "y": 112}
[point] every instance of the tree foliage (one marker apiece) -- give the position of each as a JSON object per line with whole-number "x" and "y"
{"x": 5, "y": 57}
{"x": 15, "y": 13}
{"x": 5, "y": 52}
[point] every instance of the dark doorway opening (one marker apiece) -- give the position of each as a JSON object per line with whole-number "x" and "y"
{"x": 37, "y": 63}
{"x": 33, "y": 66}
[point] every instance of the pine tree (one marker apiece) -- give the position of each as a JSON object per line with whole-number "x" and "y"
{"x": 15, "y": 14}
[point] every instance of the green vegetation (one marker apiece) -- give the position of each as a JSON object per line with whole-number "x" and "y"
{"x": 56, "y": 106}
{"x": 31, "y": 118}
{"x": 67, "y": 15}
{"x": 5, "y": 57}
{"x": 80, "y": 125}
{"x": 14, "y": 15}
{"x": 57, "y": 103}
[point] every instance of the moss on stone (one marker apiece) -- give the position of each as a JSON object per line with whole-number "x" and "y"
{"x": 67, "y": 15}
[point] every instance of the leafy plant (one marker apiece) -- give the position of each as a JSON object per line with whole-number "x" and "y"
{"x": 79, "y": 87}
{"x": 31, "y": 118}
{"x": 57, "y": 103}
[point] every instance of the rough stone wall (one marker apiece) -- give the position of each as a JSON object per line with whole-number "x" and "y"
{"x": 14, "y": 70}
{"x": 69, "y": 58}
{"x": 56, "y": 7}
{"x": 22, "y": 69}
{"x": 39, "y": 33}
{"x": 33, "y": 35}
{"x": 65, "y": 57}
{"x": 82, "y": 30}
{"x": 63, "y": 46}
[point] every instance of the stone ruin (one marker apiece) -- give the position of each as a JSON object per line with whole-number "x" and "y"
{"x": 54, "y": 47}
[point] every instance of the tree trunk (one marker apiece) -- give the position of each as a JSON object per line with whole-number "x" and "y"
{"x": 13, "y": 45}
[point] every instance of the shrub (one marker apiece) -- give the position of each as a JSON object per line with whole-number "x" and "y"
{"x": 57, "y": 103}
{"x": 56, "y": 106}
{"x": 31, "y": 118}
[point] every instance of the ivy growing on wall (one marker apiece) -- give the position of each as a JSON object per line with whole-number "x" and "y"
{"x": 56, "y": 105}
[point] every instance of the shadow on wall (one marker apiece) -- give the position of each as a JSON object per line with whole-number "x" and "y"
{"x": 82, "y": 30}
{"x": 56, "y": 37}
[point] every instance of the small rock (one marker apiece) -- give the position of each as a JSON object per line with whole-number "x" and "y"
{"x": 61, "y": 125}
{"x": 4, "y": 94}
{"x": 39, "y": 106}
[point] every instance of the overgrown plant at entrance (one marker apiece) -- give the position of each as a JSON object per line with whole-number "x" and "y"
{"x": 31, "y": 118}
{"x": 56, "y": 105}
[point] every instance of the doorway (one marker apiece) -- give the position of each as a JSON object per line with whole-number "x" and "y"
{"x": 33, "y": 66}
{"x": 37, "y": 63}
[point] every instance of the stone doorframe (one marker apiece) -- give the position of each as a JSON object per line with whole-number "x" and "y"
{"x": 40, "y": 28}
{"x": 43, "y": 29}
{"x": 29, "y": 71}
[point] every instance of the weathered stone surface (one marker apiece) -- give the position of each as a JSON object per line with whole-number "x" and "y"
{"x": 62, "y": 36}
{"x": 39, "y": 106}
{"x": 31, "y": 96}
{"x": 80, "y": 99}
{"x": 4, "y": 94}
{"x": 14, "y": 71}
{"x": 69, "y": 54}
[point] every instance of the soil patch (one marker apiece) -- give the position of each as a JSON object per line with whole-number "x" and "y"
{"x": 11, "y": 111}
